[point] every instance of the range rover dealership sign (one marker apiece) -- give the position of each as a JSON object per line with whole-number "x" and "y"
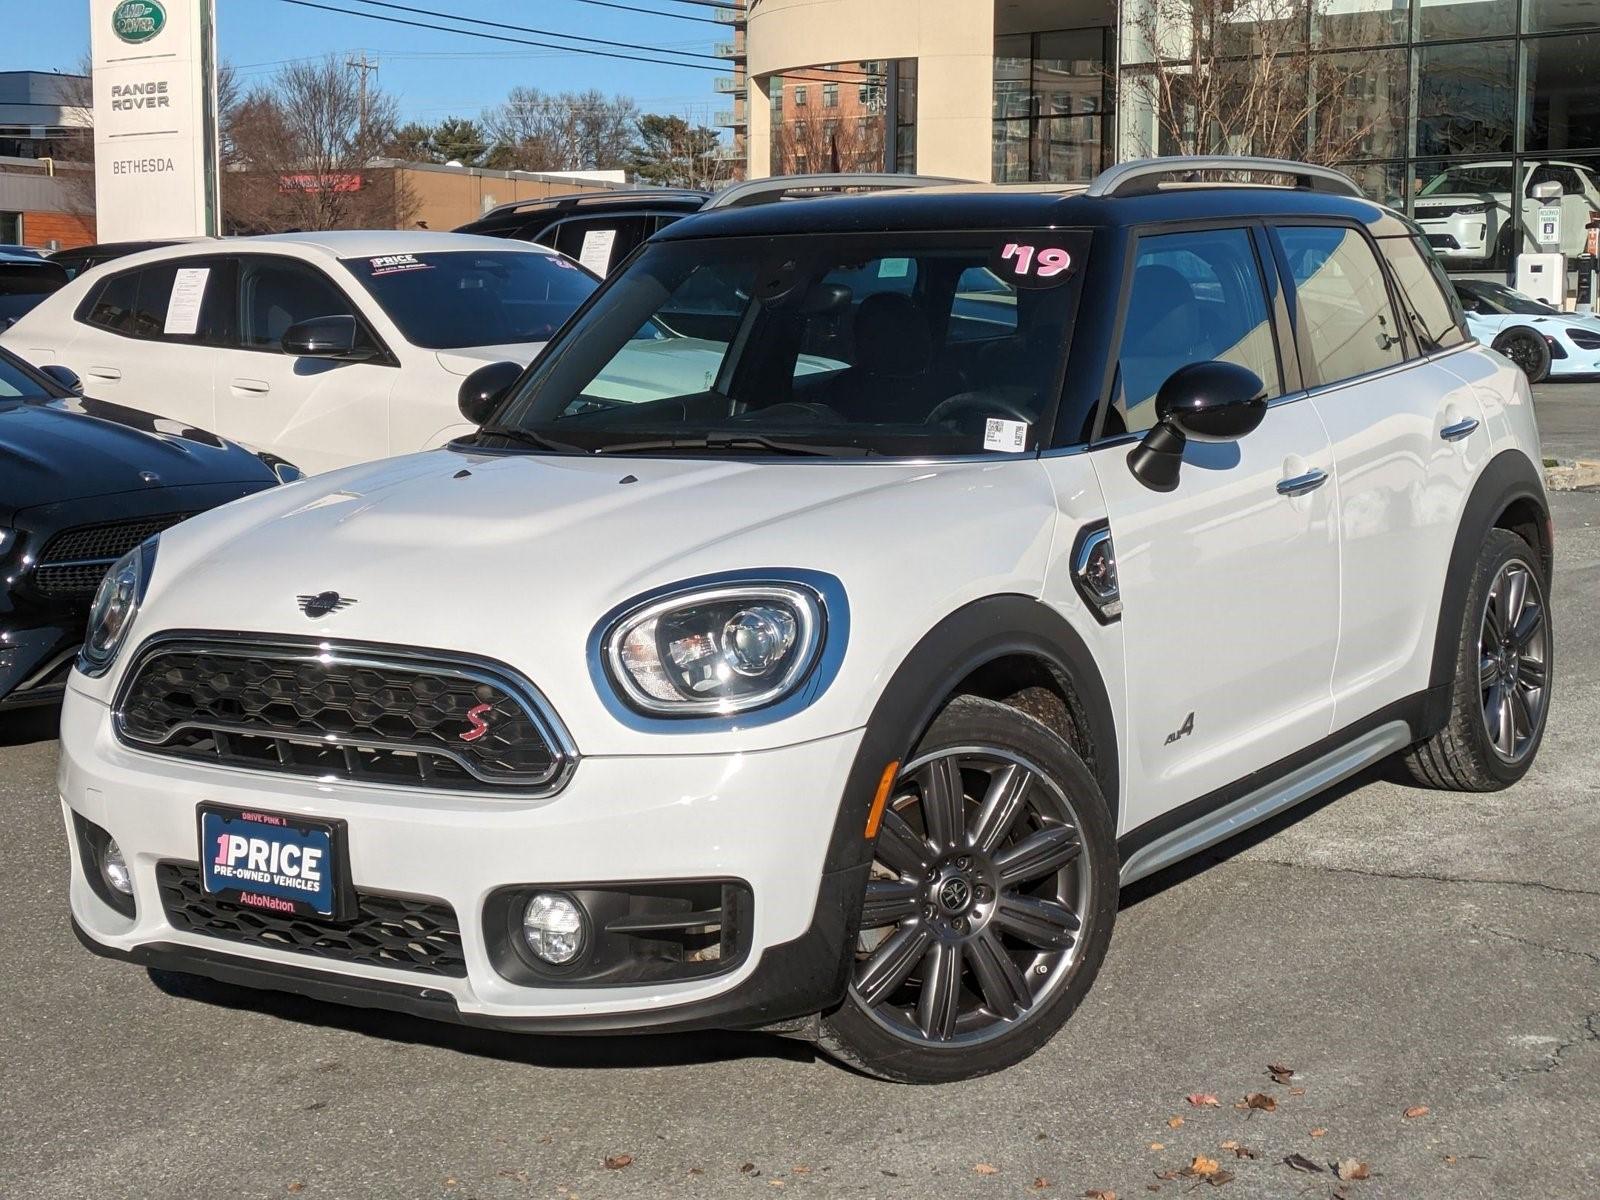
{"x": 155, "y": 125}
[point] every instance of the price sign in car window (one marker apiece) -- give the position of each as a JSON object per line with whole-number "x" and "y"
{"x": 1041, "y": 260}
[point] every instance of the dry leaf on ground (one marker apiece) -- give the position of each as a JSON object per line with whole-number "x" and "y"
{"x": 1203, "y": 1100}
{"x": 1099, "y": 1194}
{"x": 1158, "y": 1145}
{"x": 986, "y": 1169}
{"x": 1040, "y": 1184}
{"x": 1297, "y": 1091}
{"x": 1261, "y": 1101}
{"x": 296, "y": 1187}
{"x": 1417, "y": 1110}
{"x": 1202, "y": 1166}
{"x": 1319, "y": 1131}
{"x": 1350, "y": 1168}
{"x": 615, "y": 1162}
{"x": 1301, "y": 1163}
{"x": 1174, "y": 1122}
{"x": 1280, "y": 1073}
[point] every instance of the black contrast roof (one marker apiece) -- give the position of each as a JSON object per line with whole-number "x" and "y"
{"x": 647, "y": 199}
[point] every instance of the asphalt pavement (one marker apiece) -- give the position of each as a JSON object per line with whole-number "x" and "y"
{"x": 1427, "y": 964}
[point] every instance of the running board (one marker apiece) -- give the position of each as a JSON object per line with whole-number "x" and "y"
{"x": 1257, "y": 806}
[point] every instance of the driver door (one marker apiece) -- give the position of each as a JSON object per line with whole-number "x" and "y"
{"x": 1230, "y": 582}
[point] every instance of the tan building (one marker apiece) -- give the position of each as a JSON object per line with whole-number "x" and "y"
{"x": 445, "y": 197}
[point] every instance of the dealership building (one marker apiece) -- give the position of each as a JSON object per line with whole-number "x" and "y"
{"x": 1414, "y": 98}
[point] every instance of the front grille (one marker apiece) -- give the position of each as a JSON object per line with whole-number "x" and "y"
{"x": 342, "y": 712}
{"x": 74, "y": 561}
{"x": 407, "y": 933}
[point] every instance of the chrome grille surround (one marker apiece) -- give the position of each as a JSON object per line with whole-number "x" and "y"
{"x": 335, "y": 736}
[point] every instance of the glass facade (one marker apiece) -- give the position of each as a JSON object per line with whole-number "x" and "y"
{"x": 1052, "y": 105}
{"x": 858, "y": 116}
{"x": 1453, "y": 110}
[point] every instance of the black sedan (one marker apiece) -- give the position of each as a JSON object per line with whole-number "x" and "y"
{"x": 81, "y": 483}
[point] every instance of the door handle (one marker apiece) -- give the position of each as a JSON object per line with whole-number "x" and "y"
{"x": 1300, "y": 485}
{"x": 102, "y": 372}
{"x": 1454, "y": 433}
{"x": 255, "y": 386}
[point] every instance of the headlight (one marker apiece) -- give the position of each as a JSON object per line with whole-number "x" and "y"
{"x": 7, "y": 538}
{"x": 115, "y": 604}
{"x": 724, "y": 649}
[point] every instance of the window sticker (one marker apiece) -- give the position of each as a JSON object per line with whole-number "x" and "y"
{"x": 1031, "y": 264}
{"x": 1008, "y": 437}
{"x": 183, "y": 309}
{"x": 596, "y": 251}
{"x": 389, "y": 264}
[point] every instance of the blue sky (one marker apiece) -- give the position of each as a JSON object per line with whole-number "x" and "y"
{"x": 432, "y": 75}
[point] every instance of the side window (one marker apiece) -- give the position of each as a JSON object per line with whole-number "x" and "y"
{"x": 1343, "y": 301}
{"x": 600, "y": 243}
{"x": 1428, "y": 296}
{"x": 275, "y": 293}
{"x": 1196, "y": 297}
{"x": 139, "y": 303}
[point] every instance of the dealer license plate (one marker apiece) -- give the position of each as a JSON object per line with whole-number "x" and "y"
{"x": 272, "y": 861}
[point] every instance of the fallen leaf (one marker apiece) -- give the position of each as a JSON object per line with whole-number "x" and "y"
{"x": 451, "y": 1181}
{"x": 986, "y": 1169}
{"x": 774, "y": 1183}
{"x": 1230, "y": 1144}
{"x": 1174, "y": 1122}
{"x": 297, "y": 1187}
{"x": 1167, "y": 1175}
{"x": 1418, "y": 1110}
{"x": 1319, "y": 1131}
{"x": 800, "y": 1170}
{"x": 1099, "y": 1194}
{"x": 1349, "y": 1168}
{"x": 519, "y": 1176}
{"x": 1297, "y": 1091}
{"x": 746, "y": 1168}
{"x": 1203, "y": 1100}
{"x": 1202, "y": 1166}
{"x": 615, "y": 1162}
{"x": 1280, "y": 1073}
{"x": 1158, "y": 1145}
{"x": 697, "y": 1170}
{"x": 1262, "y": 1101}
{"x": 1301, "y": 1163}
{"x": 1244, "y": 1152}
{"x": 1040, "y": 1184}
{"x": 1450, "y": 1159}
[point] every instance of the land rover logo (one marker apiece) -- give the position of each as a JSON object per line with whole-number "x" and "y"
{"x": 136, "y": 21}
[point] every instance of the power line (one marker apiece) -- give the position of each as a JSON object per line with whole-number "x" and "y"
{"x": 654, "y": 12}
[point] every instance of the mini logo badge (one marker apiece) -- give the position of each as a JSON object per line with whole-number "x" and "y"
{"x": 322, "y": 604}
{"x": 475, "y": 716}
{"x": 137, "y": 21}
{"x": 954, "y": 894}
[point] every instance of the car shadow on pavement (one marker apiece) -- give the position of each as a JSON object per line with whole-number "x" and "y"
{"x": 25, "y": 726}
{"x": 570, "y": 1052}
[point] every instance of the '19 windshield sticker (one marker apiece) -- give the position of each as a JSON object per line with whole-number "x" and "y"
{"x": 1029, "y": 264}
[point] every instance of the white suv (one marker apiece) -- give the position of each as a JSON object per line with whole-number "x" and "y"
{"x": 325, "y": 349}
{"x": 1012, "y": 545}
{"x": 1465, "y": 210}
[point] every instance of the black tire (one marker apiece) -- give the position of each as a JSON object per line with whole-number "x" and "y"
{"x": 1463, "y": 756}
{"x": 1527, "y": 349}
{"x": 1022, "y": 754}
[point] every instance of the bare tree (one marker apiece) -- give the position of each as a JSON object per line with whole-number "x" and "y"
{"x": 830, "y": 144}
{"x": 1238, "y": 77}
{"x": 301, "y": 149}
{"x": 572, "y": 131}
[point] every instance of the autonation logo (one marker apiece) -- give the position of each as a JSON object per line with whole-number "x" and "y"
{"x": 136, "y": 21}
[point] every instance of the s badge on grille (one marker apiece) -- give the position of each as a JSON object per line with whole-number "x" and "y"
{"x": 322, "y": 604}
{"x": 479, "y": 726}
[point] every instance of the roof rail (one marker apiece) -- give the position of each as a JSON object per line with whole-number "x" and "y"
{"x": 1141, "y": 176}
{"x": 782, "y": 187}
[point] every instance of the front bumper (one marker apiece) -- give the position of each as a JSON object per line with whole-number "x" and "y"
{"x": 765, "y": 818}
{"x": 35, "y": 662}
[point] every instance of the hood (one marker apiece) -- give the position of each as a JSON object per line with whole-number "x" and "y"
{"x": 468, "y": 359}
{"x": 75, "y": 448}
{"x": 518, "y": 558}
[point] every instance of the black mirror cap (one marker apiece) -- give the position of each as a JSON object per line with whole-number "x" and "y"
{"x": 65, "y": 376}
{"x": 483, "y": 390}
{"x": 326, "y": 337}
{"x": 1212, "y": 401}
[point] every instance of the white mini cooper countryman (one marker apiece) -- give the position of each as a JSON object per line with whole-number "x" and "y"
{"x": 854, "y": 596}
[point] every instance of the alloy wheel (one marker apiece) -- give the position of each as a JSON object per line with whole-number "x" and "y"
{"x": 975, "y": 909}
{"x": 1523, "y": 351}
{"x": 1513, "y": 663}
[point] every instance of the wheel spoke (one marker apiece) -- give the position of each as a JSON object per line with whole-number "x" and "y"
{"x": 1046, "y": 924}
{"x": 1502, "y": 731}
{"x": 1008, "y": 792}
{"x": 942, "y": 801}
{"x": 1037, "y": 855}
{"x": 899, "y": 845}
{"x": 1527, "y": 625}
{"x": 1530, "y": 673}
{"x": 1521, "y": 712}
{"x": 888, "y": 902}
{"x": 1493, "y": 628}
{"x": 1000, "y": 980}
{"x": 1488, "y": 671}
{"x": 939, "y": 1003}
{"x": 1515, "y": 596}
{"x": 889, "y": 965}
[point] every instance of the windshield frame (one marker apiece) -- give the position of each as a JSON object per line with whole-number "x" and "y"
{"x": 879, "y": 244}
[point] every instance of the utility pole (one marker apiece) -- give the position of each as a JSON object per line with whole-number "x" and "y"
{"x": 364, "y": 66}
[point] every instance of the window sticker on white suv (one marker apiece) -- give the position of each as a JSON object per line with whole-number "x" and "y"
{"x": 183, "y": 309}
{"x": 1008, "y": 437}
{"x": 389, "y": 264}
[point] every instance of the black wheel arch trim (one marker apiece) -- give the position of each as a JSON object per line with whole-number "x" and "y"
{"x": 1508, "y": 478}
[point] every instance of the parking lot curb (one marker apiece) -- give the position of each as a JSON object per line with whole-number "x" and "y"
{"x": 1571, "y": 476}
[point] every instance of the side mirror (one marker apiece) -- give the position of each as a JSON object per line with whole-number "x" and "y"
{"x": 65, "y": 376}
{"x": 1207, "y": 401}
{"x": 482, "y": 391}
{"x": 327, "y": 337}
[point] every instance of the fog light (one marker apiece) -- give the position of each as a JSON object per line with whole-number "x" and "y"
{"x": 112, "y": 866}
{"x": 552, "y": 925}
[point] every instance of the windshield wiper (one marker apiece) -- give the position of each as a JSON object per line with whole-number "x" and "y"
{"x": 737, "y": 441}
{"x": 528, "y": 438}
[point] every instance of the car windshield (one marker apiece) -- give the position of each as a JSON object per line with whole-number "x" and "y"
{"x": 1484, "y": 177}
{"x": 894, "y": 344}
{"x": 458, "y": 298}
{"x": 1498, "y": 298}
{"x": 15, "y": 382}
